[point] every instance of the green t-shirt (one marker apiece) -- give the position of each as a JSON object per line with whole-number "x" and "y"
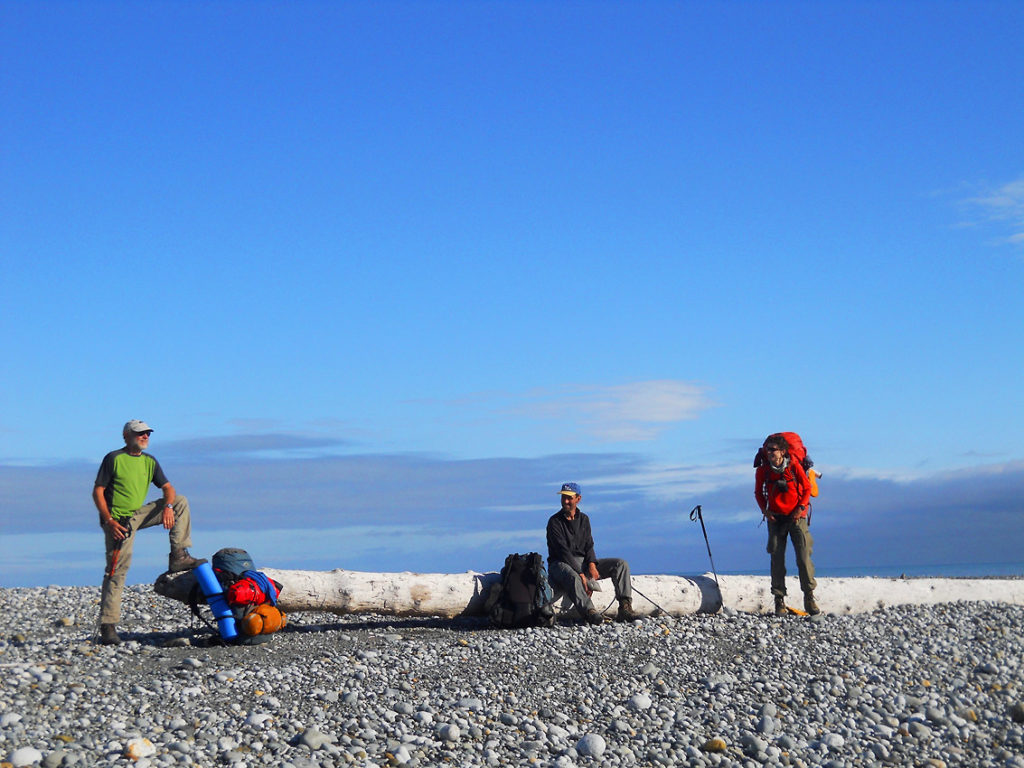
{"x": 125, "y": 480}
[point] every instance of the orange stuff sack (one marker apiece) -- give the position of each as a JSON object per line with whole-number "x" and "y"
{"x": 812, "y": 478}
{"x": 262, "y": 620}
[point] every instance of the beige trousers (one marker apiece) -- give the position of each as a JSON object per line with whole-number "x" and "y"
{"x": 119, "y": 553}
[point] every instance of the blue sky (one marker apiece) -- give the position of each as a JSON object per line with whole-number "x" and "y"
{"x": 382, "y": 275}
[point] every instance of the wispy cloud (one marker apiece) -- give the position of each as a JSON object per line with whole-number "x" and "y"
{"x": 267, "y": 445}
{"x": 1002, "y": 205}
{"x": 671, "y": 481}
{"x": 622, "y": 413}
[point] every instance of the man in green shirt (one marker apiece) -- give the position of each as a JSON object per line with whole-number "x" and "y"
{"x": 119, "y": 493}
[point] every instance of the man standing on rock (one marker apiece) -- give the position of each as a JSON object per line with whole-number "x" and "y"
{"x": 120, "y": 497}
{"x": 783, "y": 494}
{"x": 573, "y": 566}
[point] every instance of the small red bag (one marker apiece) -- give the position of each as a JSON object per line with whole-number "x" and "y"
{"x": 246, "y": 592}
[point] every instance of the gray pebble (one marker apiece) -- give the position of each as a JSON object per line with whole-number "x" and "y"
{"x": 591, "y": 745}
{"x": 785, "y": 741}
{"x": 833, "y": 740}
{"x": 919, "y": 730}
{"x": 640, "y": 702}
{"x": 752, "y": 745}
{"x": 25, "y": 756}
{"x": 450, "y": 732}
{"x": 313, "y": 738}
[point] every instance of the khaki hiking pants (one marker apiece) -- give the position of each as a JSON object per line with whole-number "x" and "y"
{"x": 565, "y": 580}
{"x": 145, "y": 516}
{"x": 796, "y": 529}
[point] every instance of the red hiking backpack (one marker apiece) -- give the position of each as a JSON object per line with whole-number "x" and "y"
{"x": 797, "y": 453}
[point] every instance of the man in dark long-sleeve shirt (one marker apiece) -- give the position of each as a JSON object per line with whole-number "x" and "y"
{"x": 573, "y": 566}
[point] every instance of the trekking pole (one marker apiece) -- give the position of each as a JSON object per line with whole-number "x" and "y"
{"x": 645, "y": 597}
{"x": 113, "y": 563}
{"x": 695, "y": 514}
{"x": 117, "y": 553}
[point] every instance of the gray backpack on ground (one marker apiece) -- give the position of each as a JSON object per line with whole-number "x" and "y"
{"x": 523, "y": 597}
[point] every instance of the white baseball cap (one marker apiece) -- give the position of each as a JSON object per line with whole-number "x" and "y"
{"x": 136, "y": 426}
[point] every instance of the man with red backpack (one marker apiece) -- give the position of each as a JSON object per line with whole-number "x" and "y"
{"x": 783, "y": 493}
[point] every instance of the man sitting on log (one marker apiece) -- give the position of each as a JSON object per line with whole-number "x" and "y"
{"x": 573, "y": 566}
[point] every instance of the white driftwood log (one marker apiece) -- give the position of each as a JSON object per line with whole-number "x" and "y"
{"x": 464, "y": 594}
{"x": 752, "y": 594}
{"x": 442, "y": 594}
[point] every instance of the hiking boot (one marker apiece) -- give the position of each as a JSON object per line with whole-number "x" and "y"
{"x": 181, "y": 560}
{"x": 810, "y": 606}
{"x": 593, "y": 617}
{"x": 625, "y": 610}
{"x": 780, "y": 606}
{"x": 108, "y": 635}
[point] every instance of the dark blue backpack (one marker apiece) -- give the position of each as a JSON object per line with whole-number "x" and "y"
{"x": 230, "y": 563}
{"x": 523, "y": 597}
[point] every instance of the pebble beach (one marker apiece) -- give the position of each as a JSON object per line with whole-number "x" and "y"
{"x": 939, "y": 685}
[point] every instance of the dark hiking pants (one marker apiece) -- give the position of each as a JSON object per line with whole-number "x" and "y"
{"x": 788, "y": 526}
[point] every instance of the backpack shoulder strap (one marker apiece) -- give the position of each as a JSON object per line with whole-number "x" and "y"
{"x": 493, "y": 596}
{"x": 799, "y": 474}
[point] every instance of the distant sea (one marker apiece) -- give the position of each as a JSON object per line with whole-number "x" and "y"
{"x": 937, "y": 570}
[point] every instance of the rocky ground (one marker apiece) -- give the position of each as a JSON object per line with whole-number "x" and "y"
{"x": 922, "y": 686}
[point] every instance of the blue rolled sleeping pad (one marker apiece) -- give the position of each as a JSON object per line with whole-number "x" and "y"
{"x": 215, "y": 599}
